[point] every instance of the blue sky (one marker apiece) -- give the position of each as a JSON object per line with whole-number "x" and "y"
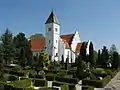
{"x": 96, "y": 20}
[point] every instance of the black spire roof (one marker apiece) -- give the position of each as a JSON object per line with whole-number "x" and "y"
{"x": 52, "y": 19}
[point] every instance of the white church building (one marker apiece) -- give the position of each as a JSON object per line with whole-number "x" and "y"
{"x": 58, "y": 46}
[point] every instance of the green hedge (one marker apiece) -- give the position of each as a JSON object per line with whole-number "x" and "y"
{"x": 7, "y": 87}
{"x": 37, "y": 76}
{"x": 50, "y": 77}
{"x": 71, "y": 86}
{"x": 40, "y": 82}
{"x": 17, "y": 73}
{"x": 55, "y": 83}
{"x": 67, "y": 80}
{"x": 51, "y": 71}
{"x": 64, "y": 87}
{"x": 87, "y": 88}
{"x": 19, "y": 85}
{"x": 99, "y": 72}
{"x": 6, "y": 70}
{"x": 97, "y": 83}
{"x": 16, "y": 88}
{"x": 2, "y": 83}
{"x": 13, "y": 78}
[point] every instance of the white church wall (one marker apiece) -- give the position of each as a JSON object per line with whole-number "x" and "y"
{"x": 61, "y": 50}
{"x": 73, "y": 56}
{"x": 67, "y": 54}
{"x": 76, "y": 39}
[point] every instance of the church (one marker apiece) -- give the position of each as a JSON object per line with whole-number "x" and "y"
{"x": 58, "y": 46}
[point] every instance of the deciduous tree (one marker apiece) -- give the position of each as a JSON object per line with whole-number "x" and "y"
{"x": 23, "y": 45}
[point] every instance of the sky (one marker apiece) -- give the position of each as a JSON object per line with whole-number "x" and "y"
{"x": 95, "y": 20}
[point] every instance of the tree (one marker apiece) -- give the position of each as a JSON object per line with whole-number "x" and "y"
{"x": 22, "y": 45}
{"x": 7, "y": 45}
{"x": 91, "y": 55}
{"x": 99, "y": 58}
{"x": 66, "y": 63}
{"x": 116, "y": 60}
{"x": 44, "y": 61}
{"x": 80, "y": 68}
{"x": 104, "y": 56}
{"x": 1, "y": 65}
{"x": 113, "y": 49}
{"x": 29, "y": 55}
{"x": 62, "y": 61}
{"x": 22, "y": 57}
{"x": 36, "y": 36}
{"x": 83, "y": 52}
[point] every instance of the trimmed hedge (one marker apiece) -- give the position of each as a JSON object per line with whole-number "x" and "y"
{"x": 87, "y": 88}
{"x": 64, "y": 87}
{"x": 16, "y": 88}
{"x": 50, "y": 77}
{"x": 40, "y": 82}
{"x": 19, "y": 85}
{"x": 36, "y": 76}
{"x": 7, "y": 87}
{"x": 67, "y": 80}
{"x": 71, "y": 86}
{"x": 51, "y": 71}
{"x": 97, "y": 83}
{"x": 6, "y": 70}
{"x": 13, "y": 78}
{"x": 17, "y": 73}
{"x": 55, "y": 83}
{"x": 2, "y": 83}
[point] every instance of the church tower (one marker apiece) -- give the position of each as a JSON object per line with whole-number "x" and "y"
{"x": 52, "y": 36}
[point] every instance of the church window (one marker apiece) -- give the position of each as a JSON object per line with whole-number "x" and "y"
{"x": 56, "y": 41}
{"x": 56, "y": 29}
{"x": 56, "y": 55}
{"x": 49, "y": 29}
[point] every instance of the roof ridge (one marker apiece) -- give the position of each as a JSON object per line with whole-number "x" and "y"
{"x": 67, "y": 34}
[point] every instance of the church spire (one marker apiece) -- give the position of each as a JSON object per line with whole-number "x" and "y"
{"x": 52, "y": 19}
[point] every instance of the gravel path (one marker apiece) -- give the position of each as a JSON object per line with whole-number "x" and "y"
{"x": 114, "y": 84}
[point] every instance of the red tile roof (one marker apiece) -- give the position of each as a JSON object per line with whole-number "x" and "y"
{"x": 38, "y": 44}
{"x": 68, "y": 38}
{"x": 66, "y": 44}
{"x": 78, "y": 47}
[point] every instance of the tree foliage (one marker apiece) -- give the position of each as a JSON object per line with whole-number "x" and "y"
{"x": 116, "y": 60}
{"x": 99, "y": 61}
{"x": 36, "y": 36}
{"x": 7, "y": 46}
{"x": 104, "y": 56}
{"x": 113, "y": 49}
{"x": 81, "y": 66}
{"x": 44, "y": 61}
{"x": 23, "y": 49}
{"x": 91, "y": 55}
{"x": 62, "y": 61}
{"x": 83, "y": 52}
{"x": 1, "y": 66}
{"x": 66, "y": 63}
